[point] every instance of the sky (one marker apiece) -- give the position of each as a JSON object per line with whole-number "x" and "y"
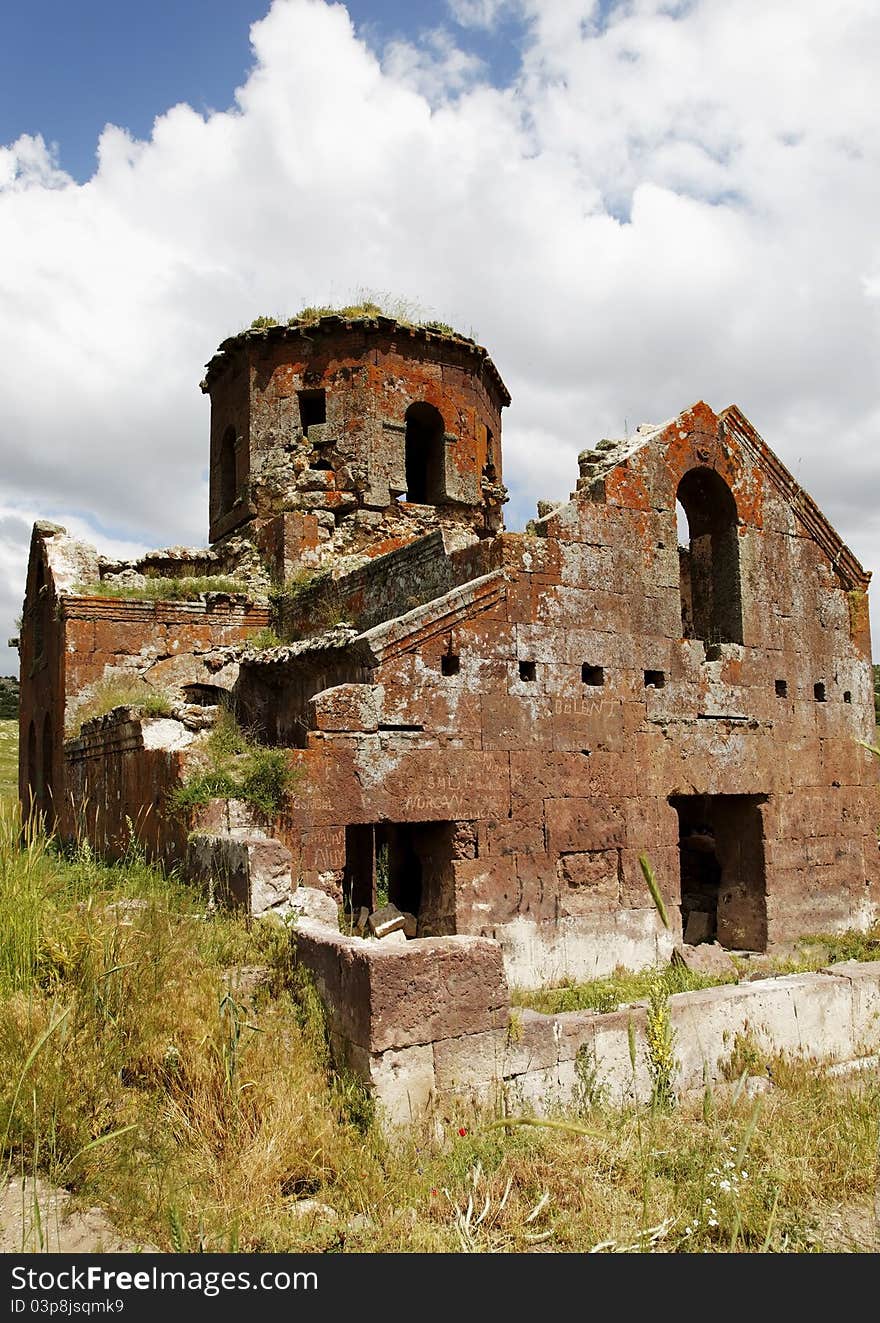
{"x": 634, "y": 205}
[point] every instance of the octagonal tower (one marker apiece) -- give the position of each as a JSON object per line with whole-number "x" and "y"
{"x": 343, "y": 438}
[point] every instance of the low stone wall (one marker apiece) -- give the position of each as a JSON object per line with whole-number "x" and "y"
{"x": 413, "y": 1021}
{"x": 431, "y": 1018}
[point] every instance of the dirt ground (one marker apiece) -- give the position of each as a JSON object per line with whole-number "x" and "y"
{"x": 36, "y": 1217}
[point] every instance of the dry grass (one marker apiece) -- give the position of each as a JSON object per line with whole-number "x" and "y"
{"x": 200, "y": 1120}
{"x": 119, "y": 692}
{"x": 197, "y": 1120}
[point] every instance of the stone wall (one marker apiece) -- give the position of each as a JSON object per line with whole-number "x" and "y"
{"x": 431, "y": 1020}
{"x": 118, "y": 774}
{"x": 317, "y": 415}
{"x": 560, "y": 709}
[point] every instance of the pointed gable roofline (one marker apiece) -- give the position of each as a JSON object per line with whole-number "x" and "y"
{"x": 844, "y": 563}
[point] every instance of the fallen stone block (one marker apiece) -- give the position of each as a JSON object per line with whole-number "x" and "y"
{"x": 396, "y": 937}
{"x": 410, "y": 925}
{"x": 315, "y": 904}
{"x": 708, "y": 958}
{"x": 386, "y": 920}
{"x": 698, "y": 927}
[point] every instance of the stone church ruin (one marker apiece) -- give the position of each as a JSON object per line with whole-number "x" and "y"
{"x": 484, "y": 729}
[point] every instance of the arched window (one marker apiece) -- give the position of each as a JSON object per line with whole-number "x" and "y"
{"x": 425, "y": 466}
{"x": 48, "y": 777}
{"x": 711, "y": 594}
{"x": 33, "y": 772}
{"x": 228, "y": 471}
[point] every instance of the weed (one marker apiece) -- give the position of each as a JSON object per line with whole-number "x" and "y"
{"x": 618, "y": 989}
{"x": 118, "y": 691}
{"x": 589, "y": 1090}
{"x": 236, "y": 767}
{"x": 264, "y": 639}
{"x": 156, "y": 588}
{"x": 662, "y": 1063}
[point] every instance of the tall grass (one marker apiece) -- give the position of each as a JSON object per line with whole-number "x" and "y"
{"x": 134, "y": 1074}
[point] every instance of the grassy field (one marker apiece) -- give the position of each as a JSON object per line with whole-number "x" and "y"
{"x": 138, "y": 1071}
{"x": 9, "y": 758}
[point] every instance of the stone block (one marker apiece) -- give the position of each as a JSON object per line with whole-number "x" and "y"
{"x": 708, "y": 958}
{"x": 583, "y": 824}
{"x": 315, "y": 904}
{"x": 245, "y": 871}
{"x": 403, "y": 1082}
{"x": 385, "y": 921}
{"x": 435, "y": 987}
{"x": 470, "y": 1062}
{"x": 531, "y": 1042}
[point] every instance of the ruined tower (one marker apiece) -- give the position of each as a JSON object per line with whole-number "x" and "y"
{"x": 343, "y": 438}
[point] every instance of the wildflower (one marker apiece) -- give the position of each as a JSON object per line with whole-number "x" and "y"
{"x": 462, "y": 1130}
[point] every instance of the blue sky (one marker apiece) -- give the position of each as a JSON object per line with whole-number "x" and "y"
{"x": 68, "y": 67}
{"x": 633, "y": 206}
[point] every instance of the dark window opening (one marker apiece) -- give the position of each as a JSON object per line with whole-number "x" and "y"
{"x": 407, "y": 864}
{"x": 322, "y": 465}
{"x": 594, "y": 675}
{"x": 33, "y": 772}
{"x": 312, "y": 408}
{"x": 527, "y": 670}
{"x": 782, "y": 689}
{"x": 655, "y": 680}
{"x": 490, "y": 471}
{"x": 709, "y": 571}
{"x": 847, "y": 696}
{"x": 424, "y": 456}
{"x": 228, "y": 471}
{"x": 450, "y": 664}
{"x": 722, "y": 870}
{"x": 48, "y": 773}
{"x": 819, "y": 691}
{"x": 204, "y": 695}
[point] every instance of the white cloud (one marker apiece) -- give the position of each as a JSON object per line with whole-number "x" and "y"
{"x": 668, "y": 203}
{"x": 480, "y": 13}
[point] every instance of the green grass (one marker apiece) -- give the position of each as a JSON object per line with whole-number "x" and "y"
{"x": 375, "y": 305}
{"x": 132, "y": 1074}
{"x": 9, "y": 759}
{"x": 620, "y": 989}
{"x": 156, "y": 588}
{"x": 264, "y": 639}
{"x": 235, "y": 766}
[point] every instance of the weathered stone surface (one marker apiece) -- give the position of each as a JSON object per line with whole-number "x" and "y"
{"x": 248, "y": 872}
{"x": 470, "y": 1063}
{"x": 497, "y": 726}
{"x": 708, "y": 958}
{"x": 385, "y": 921}
{"x": 315, "y": 904}
{"x": 383, "y": 996}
